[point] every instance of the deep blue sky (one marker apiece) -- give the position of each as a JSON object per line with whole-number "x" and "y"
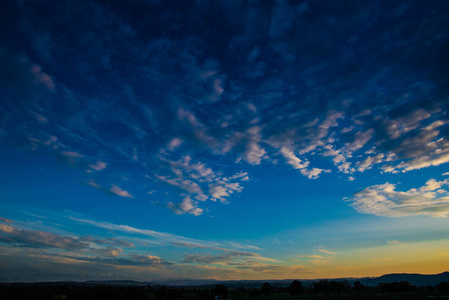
{"x": 223, "y": 139}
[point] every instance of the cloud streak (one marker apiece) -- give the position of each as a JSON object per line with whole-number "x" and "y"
{"x": 168, "y": 238}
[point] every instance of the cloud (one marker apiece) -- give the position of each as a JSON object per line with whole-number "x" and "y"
{"x": 174, "y": 143}
{"x": 360, "y": 139}
{"x": 292, "y": 160}
{"x": 368, "y": 162}
{"x": 107, "y": 241}
{"x": 297, "y": 163}
{"x": 108, "y": 251}
{"x": 393, "y": 242}
{"x": 164, "y": 238}
{"x": 199, "y": 130}
{"x": 385, "y": 200}
{"x": 47, "y": 242}
{"x": 113, "y": 260}
{"x": 226, "y": 99}
{"x": 320, "y": 259}
{"x": 70, "y": 157}
{"x": 313, "y": 173}
{"x": 399, "y": 126}
{"x": 42, "y": 77}
{"x": 313, "y": 256}
{"x": 114, "y": 190}
{"x": 138, "y": 260}
{"x": 197, "y": 183}
{"x": 98, "y": 166}
{"x": 244, "y": 262}
{"x": 119, "y": 192}
{"x": 421, "y": 148}
{"x": 187, "y": 206}
{"x": 39, "y": 239}
{"x": 327, "y": 252}
{"x": 226, "y": 257}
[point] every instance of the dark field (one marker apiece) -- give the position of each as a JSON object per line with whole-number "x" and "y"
{"x": 322, "y": 289}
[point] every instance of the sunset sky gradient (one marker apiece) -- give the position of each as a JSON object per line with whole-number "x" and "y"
{"x": 149, "y": 140}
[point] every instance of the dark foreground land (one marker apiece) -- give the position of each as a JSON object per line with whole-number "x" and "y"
{"x": 322, "y": 289}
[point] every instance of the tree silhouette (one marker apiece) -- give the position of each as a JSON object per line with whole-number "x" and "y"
{"x": 444, "y": 286}
{"x": 254, "y": 292}
{"x": 266, "y": 288}
{"x": 220, "y": 290}
{"x": 358, "y": 287}
{"x": 321, "y": 286}
{"x": 296, "y": 288}
{"x": 397, "y": 287}
{"x": 336, "y": 287}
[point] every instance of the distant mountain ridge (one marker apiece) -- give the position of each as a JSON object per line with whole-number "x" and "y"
{"x": 415, "y": 279}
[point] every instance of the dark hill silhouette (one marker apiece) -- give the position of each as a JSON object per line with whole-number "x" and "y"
{"x": 415, "y": 279}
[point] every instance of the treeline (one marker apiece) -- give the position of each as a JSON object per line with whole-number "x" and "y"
{"x": 296, "y": 290}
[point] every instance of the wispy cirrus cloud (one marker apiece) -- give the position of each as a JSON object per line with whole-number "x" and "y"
{"x": 168, "y": 238}
{"x": 18, "y": 237}
{"x": 75, "y": 249}
{"x": 325, "y": 257}
{"x": 39, "y": 239}
{"x": 226, "y": 258}
{"x": 114, "y": 190}
{"x": 139, "y": 260}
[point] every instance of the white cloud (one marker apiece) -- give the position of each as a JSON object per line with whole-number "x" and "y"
{"x": 221, "y": 190}
{"x": 198, "y": 182}
{"x": 254, "y": 152}
{"x": 432, "y": 185}
{"x": 297, "y": 163}
{"x": 346, "y": 168}
{"x": 42, "y": 77}
{"x": 422, "y": 149}
{"x": 360, "y": 139}
{"x": 292, "y": 160}
{"x": 174, "y": 143}
{"x": 119, "y": 192}
{"x": 187, "y": 206}
{"x": 313, "y": 173}
{"x": 98, "y": 166}
{"x": 368, "y": 162}
{"x": 397, "y": 127}
{"x": 384, "y": 200}
{"x": 435, "y": 158}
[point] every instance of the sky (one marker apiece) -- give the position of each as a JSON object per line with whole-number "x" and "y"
{"x": 153, "y": 140}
